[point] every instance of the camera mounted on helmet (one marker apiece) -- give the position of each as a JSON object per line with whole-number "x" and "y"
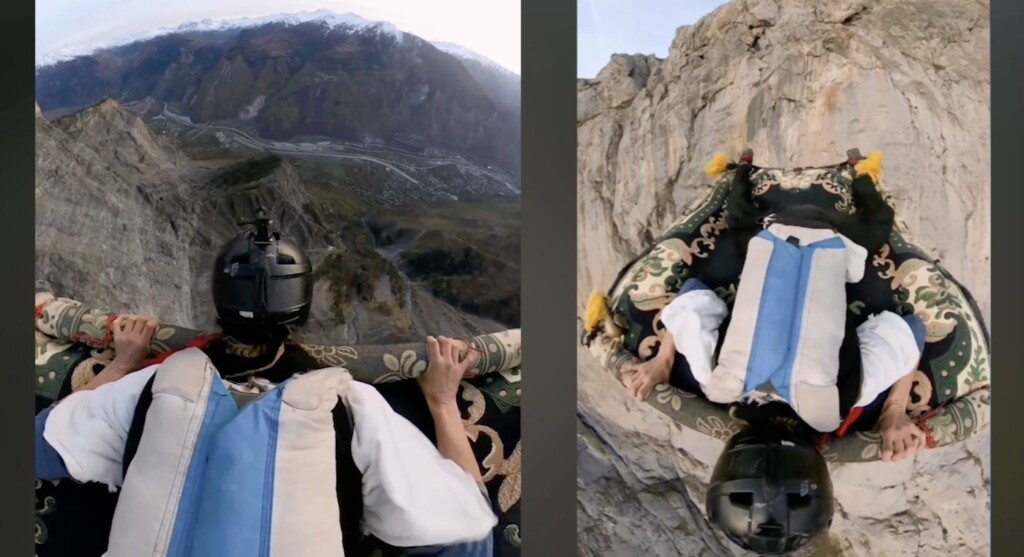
{"x": 263, "y": 235}
{"x": 261, "y": 280}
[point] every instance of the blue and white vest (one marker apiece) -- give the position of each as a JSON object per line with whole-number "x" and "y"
{"x": 210, "y": 479}
{"x": 788, "y": 322}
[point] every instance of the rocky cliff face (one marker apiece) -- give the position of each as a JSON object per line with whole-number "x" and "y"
{"x": 125, "y": 220}
{"x": 800, "y": 82}
{"x": 642, "y": 480}
{"x": 89, "y": 200}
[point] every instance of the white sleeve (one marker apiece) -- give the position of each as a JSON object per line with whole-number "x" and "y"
{"x": 412, "y": 496}
{"x": 888, "y": 352}
{"x": 856, "y": 257}
{"x": 89, "y": 429}
{"x": 693, "y": 319}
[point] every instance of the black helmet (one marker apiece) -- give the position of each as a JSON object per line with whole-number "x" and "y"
{"x": 770, "y": 492}
{"x": 261, "y": 280}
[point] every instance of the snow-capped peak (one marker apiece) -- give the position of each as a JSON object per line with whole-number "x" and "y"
{"x": 464, "y": 53}
{"x": 332, "y": 20}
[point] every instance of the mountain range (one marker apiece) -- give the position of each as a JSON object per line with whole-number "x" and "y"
{"x": 309, "y": 75}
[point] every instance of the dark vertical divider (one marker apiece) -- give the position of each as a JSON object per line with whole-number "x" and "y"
{"x": 17, "y": 159}
{"x": 549, "y": 277}
{"x": 1007, "y": 277}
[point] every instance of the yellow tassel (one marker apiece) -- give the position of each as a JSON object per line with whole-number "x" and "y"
{"x": 597, "y": 311}
{"x": 718, "y": 165}
{"x": 872, "y": 166}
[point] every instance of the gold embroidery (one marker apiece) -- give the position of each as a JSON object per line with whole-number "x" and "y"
{"x": 236, "y": 348}
{"x": 494, "y": 464}
{"x": 48, "y": 506}
{"x": 511, "y": 487}
{"x": 85, "y": 372}
{"x": 335, "y": 356}
{"x": 920, "y": 395}
{"x": 476, "y": 403}
{"x": 717, "y": 427}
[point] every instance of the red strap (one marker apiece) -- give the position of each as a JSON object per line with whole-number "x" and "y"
{"x": 108, "y": 338}
{"x": 855, "y": 413}
{"x": 849, "y": 421}
{"x": 922, "y": 423}
{"x": 200, "y": 342}
{"x": 822, "y": 442}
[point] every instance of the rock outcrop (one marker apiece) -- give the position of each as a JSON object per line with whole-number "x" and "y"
{"x": 99, "y": 228}
{"x": 800, "y": 82}
{"x": 125, "y": 220}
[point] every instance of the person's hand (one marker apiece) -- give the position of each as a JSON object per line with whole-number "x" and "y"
{"x": 639, "y": 378}
{"x": 445, "y": 370}
{"x": 132, "y": 337}
{"x": 900, "y": 437}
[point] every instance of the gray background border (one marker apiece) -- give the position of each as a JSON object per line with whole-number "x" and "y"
{"x": 549, "y": 277}
{"x": 1007, "y": 276}
{"x": 17, "y": 209}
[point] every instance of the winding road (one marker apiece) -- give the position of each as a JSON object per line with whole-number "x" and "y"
{"x": 333, "y": 150}
{"x": 277, "y": 147}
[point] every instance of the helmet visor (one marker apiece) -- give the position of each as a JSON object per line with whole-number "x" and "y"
{"x": 288, "y": 293}
{"x": 773, "y": 461}
{"x": 251, "y": 292}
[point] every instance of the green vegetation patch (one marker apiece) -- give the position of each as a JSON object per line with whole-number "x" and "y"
{"x": 354, "y": 272}
{"x": 248, "y": 171}
{"x": 468, "y": 254}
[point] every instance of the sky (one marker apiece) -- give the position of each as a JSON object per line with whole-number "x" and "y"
{"x": 490, "y": 27}
{"x": 606, "y": 27}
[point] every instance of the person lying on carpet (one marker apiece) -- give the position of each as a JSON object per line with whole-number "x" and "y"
{"x": 262, "y": 289}
{"x": 789, "y": 339}
{"x": 883, "y": 353}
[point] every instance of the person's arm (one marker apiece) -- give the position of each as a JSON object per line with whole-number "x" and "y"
{"x": 452, "y": 441}
{"x": 640, "y": 377}
{"x": 666, "y": 349}
{"x": 132, "y": 337}
{"x": 418, "y": 492}
{"x": 691, "y": 321}
{"x": 112, "y": 372}
{"x": 83, "y": 437}
{"x": 899, "y": 395}
{"x": 901, "y": 438}
{"x": 904, "y": 338}
{"x": 440, "y": 385}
